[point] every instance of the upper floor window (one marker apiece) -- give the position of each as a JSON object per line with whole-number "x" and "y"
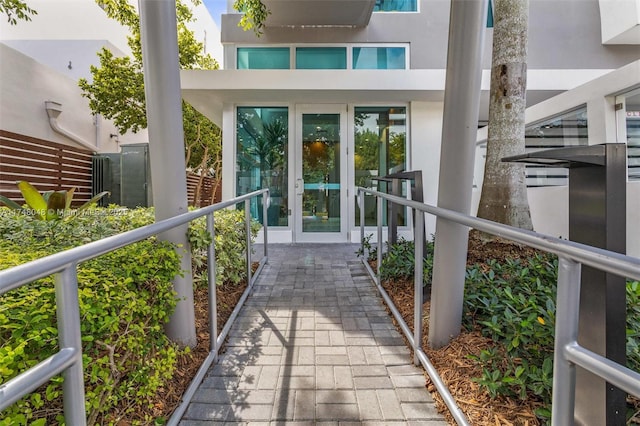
{"x": 396, "y": 6}
{"x": 379, "y": 58}
{"x": 333, "y": 58}
{"x": 263, "y": 58}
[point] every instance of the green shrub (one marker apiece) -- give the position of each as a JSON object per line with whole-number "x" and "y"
{"x": 126, "y": 297}
{"x": 231, "y": 246}
{"x": 513, "y": 303}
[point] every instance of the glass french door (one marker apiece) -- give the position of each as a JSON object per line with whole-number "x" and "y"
{"x": 320, "y": 186}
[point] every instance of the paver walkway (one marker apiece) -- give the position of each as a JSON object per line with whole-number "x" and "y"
{"x": 313, "y": 345}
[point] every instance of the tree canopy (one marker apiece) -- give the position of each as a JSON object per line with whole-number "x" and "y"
{"x": 117, "y": 89}
{"x": 16, "y": 10}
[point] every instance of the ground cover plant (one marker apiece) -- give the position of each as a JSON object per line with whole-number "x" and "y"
{"x": 499, "y": 369}
{"x": 126, "y": 297}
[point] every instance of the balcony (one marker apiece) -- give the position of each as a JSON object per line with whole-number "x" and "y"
{"x": 319, "y": 13}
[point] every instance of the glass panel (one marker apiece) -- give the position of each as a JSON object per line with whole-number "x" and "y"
{"x": 568, "y": 129}
{"x": 490, "y": 15}
{"x": 321, "y": 172}
{"x": 380, "y": 149}
{"x": 262, "y": 145}
{"x": 396, "y": 6}
{"x": 257, "y": 58}
{"x": 379, "y": 58}
{"x": 633, "y": 136}
{"x": 309, "y": 58}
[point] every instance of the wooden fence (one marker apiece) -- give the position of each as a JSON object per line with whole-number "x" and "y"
{"x": 210, "y": 191}
{"x": 49, "y": 166}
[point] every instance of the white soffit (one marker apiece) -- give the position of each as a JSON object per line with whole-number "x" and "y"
{"x": 332, "y": 13}
{"x": 620, "y": 21}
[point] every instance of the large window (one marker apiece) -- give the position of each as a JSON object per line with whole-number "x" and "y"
{"x": 567, "y": 129}
{"x": 262, "y": 147}
{"x": 379, "y": 58}
{"x": 396, "y": 6}
{"x": 313, "y": 58}
{"x": 380, "y": 149}
{"x": 258, "y": 58}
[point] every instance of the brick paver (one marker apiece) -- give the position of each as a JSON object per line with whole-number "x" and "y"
{"x": 313, "y": 345}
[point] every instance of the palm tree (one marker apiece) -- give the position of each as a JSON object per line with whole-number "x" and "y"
{"x": 504, "y": 190}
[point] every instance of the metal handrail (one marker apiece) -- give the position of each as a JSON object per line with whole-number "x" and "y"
{"x": 568, "y": 353}
{"x": 68, "y": 360}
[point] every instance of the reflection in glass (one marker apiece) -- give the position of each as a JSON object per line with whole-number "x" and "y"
{"x": 380, "y": 149}
{"x": 568, "y": 129}
{"x": 396, "y": 6}
{"x": 262, "y": 145}
{"x": 263, "y": 58}
{"x": 379, "y": 58}
{"x": 321, "y": 172}
{"x": 633, "y": 136}
{"x": 325, "y": 58}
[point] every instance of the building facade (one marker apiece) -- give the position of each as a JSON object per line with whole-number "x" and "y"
{"x": 323, "y": 102}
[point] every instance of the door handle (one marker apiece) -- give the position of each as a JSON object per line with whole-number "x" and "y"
{"x": 299, "y": 186}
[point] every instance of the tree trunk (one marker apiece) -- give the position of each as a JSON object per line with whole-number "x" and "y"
{"x": 504, "y": 190}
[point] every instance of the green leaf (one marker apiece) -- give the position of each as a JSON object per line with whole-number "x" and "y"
{"x": 93, "y": 200}
{"x": 55, "y": 205}
{"x": 33, "y": 199}
{"x": 69, "y": 198}
{"x": 10, "y": 203}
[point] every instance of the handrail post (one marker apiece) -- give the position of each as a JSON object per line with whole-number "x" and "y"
{"x": 211, "y": 274}
{"x": 247, "y": 228}
{"x": 566, "y": 333}
{"x": 68, "y": 315}
{"x": 418, "y": 244}
{"x": 361, "y": 205}
{"x": 266, "y": 203}
{"x": 379, "y": 224}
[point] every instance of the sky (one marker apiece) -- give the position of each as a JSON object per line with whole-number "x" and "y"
{"x": 216, "y": 8}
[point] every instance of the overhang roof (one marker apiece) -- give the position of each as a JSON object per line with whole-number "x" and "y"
{"x": 208, "y": 91}
{"x": 342, "y": 13}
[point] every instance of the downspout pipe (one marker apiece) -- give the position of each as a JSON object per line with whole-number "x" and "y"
{"x": 54, "y": 109}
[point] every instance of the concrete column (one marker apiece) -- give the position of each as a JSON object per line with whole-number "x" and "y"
{"x": 159, "y": 39}
{"x": 461, "y": 105}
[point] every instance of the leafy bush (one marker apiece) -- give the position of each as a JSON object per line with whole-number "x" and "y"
{"x": 399, "y": 260}
{"x": 513, "y": 303}
{"x": 126, "y": 297}
{"x": 231, "y": 246}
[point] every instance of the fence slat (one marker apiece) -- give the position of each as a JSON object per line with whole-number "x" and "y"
{"x": 49, "y": 166}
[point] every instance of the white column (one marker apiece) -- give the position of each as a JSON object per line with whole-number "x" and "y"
{"x": 159, "y": 39}
{"x": 461, "y": 107}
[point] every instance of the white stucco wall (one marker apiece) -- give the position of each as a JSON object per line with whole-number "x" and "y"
{"x": 426, "y": 136}
{"x": 27, "y": 84}
{"x": 68, "y": 20}
{"x": 620, "y": 21}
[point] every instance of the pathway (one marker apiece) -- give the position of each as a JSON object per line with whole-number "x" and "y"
{"x": 313, "y": 345}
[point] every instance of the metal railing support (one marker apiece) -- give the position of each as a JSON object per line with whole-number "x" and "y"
{"x": 266, "y": 203}
{"x": 566, "y": 332}
{"x": 379, "y": 205}
{"x": 211, "y": 279}
{"x": 68, "y": 315}
{"x": 361, "y": 204}
{"x": 418, "y": 238}
{"x": 247, "y": 230}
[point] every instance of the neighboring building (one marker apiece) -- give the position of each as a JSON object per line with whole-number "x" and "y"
{"x": 336, "y": 93}
{"x": 43, "y": 59}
